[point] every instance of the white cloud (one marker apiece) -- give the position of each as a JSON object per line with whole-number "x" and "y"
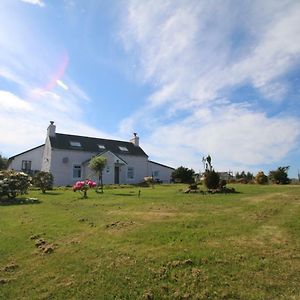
{"x": 35, "y": 2}
{"x": 11, "y": 102}
{"x": 191, "y": 52}
{"x": 41, "y": 88}
{"x": 62, "y": 84}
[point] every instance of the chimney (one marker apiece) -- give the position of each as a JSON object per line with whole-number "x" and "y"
{"x": 135, "y": 140}
{"x": 51, "y": 129}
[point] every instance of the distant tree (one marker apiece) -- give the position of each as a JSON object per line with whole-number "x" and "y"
{"x": 261, "y": 178}
{"x": 280, "y": 175}
{"x": 3, "y": 162}
{"x": 244, "y": 177}
{"x": 97, "y": 164}
{"x": 43, "y": 180}
{"x": 183, "y": 175}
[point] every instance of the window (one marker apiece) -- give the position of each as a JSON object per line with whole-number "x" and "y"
{"x": 101, "y": 147}
{"x": 107, "y": 169}
{"x": 130, "y": 172}
{"x": 122, "y": 148}
{"x": 77, "y": 171}
{"x": 26, "y": 165}
{"x": 155, "y": 173}
{"x": 75, "y": 144}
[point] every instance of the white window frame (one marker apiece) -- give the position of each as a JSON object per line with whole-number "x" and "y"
{"x": 73, "y": 169}
{"x": 131, "y": 170}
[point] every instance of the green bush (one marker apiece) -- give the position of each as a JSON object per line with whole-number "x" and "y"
{"x": 280, "y": 176}
{"x": 261, "y": 178}
{"x": 13, "y": 183}
{"x": 211, "y": 179}
{"x": 43, "y": 180}
{"x": 183, "y": 175}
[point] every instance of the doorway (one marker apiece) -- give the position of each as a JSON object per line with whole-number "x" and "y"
{"x": 117, "y": 175}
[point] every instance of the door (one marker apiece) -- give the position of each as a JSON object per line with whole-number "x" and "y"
{"x": 117, "y": 175}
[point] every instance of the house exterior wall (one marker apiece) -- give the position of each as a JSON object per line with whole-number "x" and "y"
{"x": 138, "y": 163}
{"x": 140, "y": 166}
{"x": 160, "y": 172}
{"x": 108, "y": 175}
{"x": 34, "y": 155}
{"x": 62, "y": 162}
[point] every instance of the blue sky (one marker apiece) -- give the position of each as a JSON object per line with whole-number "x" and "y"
{"x": 190, "y": 77}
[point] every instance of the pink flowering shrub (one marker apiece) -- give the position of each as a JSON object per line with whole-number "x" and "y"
{"x": 84, "y": 186}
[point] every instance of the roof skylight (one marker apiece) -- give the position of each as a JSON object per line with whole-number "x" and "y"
{"x": 123, "y": 148}
{"x": 75, "y": 144}
{"x": 101, "y": 147}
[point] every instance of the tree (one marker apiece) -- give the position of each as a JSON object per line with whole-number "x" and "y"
{"x": 183, "y": 175}
{"x": 97, "y": 164}
{"x": 280, "y": 175}
{"x": 211, "y": 179}
{"x": 261, "y": 178}
{"x": 43, "y": 180}
{"x": 3, "y": 163}
{"x": 244, "y": 177}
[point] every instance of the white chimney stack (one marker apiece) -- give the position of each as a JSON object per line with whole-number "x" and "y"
{"x": 135, "y": 140}
{"x": 51, "y": 129}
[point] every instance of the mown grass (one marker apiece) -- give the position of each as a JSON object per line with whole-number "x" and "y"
{"x": 163, "y": 245}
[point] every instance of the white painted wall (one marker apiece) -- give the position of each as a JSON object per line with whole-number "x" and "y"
{"x": 140, "y": 165}
{"x": 164, "y": 173}
{"x": 63, "y": 171}
{"x": 108, "y": 172}
{"x": 35, "y": 156}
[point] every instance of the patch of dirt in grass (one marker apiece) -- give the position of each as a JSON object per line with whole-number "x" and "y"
{"x": 119, "y": 224}
{"x": 4, "y": 281}
{"x": 43, "y": 246}
{"x": 10, "y": 267}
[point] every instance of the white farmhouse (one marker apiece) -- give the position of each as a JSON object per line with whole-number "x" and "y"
{"x": 67, "y": 158}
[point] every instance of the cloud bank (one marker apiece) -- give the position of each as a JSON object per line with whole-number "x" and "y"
{"x": 196, "y": 55}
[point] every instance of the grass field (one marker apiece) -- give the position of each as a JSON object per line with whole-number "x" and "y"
{"x": 163, "y": 245}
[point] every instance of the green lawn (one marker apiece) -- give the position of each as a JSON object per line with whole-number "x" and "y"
{"x": 163, "y": 245}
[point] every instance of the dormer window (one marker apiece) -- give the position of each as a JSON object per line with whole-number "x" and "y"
{"x": 122, "y": 148}
{"x": 75, "y": 144}
{"x": 101, "y": 147}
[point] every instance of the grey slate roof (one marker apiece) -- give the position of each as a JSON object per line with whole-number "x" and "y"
{"x": 90, "y": 144}
{"x": 156, "y": 163}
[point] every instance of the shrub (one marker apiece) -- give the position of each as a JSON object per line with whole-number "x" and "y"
{"x": 211, "y": 179}
{"x": 84, "y": 186}
{"x": 13, "y": 183}
{"x": 183, "y": 175}
{"x": 280, "y": 176}
{"x": 43, "y": 180}
{"x": 261, "y": 178}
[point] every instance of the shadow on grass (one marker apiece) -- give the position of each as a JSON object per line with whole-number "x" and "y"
{"x": 125, "y": 194}
{"x": 19, "y": 201}
{"x": 51, "y": 193}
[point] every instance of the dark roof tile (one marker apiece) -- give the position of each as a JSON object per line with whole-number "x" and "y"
{"x": 90, "y": 144}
